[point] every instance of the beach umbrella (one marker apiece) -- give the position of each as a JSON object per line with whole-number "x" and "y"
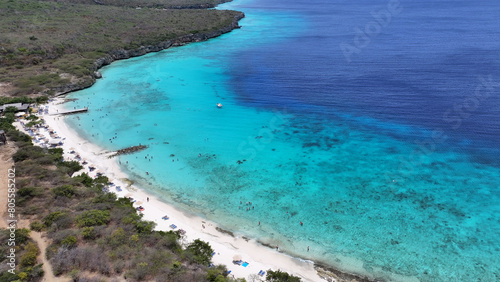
{"x": 236, "y": 257}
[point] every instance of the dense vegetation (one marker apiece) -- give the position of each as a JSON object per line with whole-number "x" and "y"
{"x": 92, "y": 232}
{"x": 26, "y": 252}
{"x": 167, "y": 4}
{"x": 47, "y": 44}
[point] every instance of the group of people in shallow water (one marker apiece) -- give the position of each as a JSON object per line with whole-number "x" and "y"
{"x": 248, "y": 204}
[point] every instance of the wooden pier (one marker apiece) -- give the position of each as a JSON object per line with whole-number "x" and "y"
{"x": 75, "y": 111}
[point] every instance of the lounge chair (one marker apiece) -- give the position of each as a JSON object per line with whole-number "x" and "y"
{"x": 165, "y": 217}
{"x": 173, "y": 226}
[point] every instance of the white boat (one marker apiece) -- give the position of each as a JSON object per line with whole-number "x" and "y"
{"x": 219, "y": 105}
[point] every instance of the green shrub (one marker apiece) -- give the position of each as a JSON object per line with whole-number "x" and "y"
{"x": 64, "y": 191}
{"x": 57, "y": 154}
{"x": 279, "y": 276}
{"x": 20, "y": 156}
{"x": 22, "y": 236}
{"x": 32, "y": 118}
{"x": 36, "y": 226}
{"x": 123, "y": 202}
{"x": 35, "y": 273}
{"x": 18, "y": 136}
{"x": 29, "y": 192}
{"x": 93, "y": 218}
{"x": 118, "y": 238}
{"x": 217, "y": 274}
{"x": 71, "y": 167}
{"x": 105, "y": 198}
{"x": 29, "y": 258}
{"x": 49, "y": 219}
{"x": 69, "y": 242}
{"x": 89, "y": 233}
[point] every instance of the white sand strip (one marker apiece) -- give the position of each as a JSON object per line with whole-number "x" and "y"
{"x": 226, "y": 247}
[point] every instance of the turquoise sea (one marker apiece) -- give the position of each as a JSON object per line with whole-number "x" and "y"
{"x": 388, "y": 155}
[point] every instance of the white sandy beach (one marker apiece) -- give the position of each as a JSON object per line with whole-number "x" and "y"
{"x": 225, "y": 246}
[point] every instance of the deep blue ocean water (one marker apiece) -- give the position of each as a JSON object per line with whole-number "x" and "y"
{"x": 375, "y": 123}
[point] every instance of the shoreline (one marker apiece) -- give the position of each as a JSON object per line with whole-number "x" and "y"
{"x": 225, "y": 246}
{"x": 122, "y": 54}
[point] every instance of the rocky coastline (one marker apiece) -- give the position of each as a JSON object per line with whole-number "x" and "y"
{"x": 121, "y": 54}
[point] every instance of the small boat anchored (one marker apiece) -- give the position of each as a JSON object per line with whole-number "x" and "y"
{"x": 219, "y": 105}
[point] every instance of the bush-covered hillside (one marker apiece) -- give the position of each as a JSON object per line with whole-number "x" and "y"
{"x": 47, "y": 44}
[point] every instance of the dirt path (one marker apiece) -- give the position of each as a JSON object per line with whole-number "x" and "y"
{"x": 6, "y": 163}
{"x": 47, "y": 268}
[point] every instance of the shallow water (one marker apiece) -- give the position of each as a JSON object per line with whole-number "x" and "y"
{"x": 386, "y": 172}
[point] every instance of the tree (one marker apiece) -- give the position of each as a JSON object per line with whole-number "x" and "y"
{"x": 201, "y": 251}
{"x": 279, "y": 276}
{"x": 10, "y": 109}
{"x": 85, "y": 179}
